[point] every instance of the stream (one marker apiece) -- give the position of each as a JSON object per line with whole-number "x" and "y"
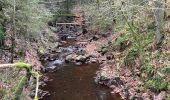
{"x": 72, "y": 80}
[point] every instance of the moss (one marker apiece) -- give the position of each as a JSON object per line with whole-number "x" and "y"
{"x": 35, "y": 98}
{"x": 167, "y": 55}
{"x": 2, "y": 93}
{"x": 2, "y": 35}
{"x": 165, "y": 70}
{"x": 2, "y": 30}
{"x": 103, "y": 50}
{"x": 23, "y": 65}
{"x": 168, "y": 86}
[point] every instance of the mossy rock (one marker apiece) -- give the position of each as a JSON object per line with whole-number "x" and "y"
{"x": 81, "y": 58}
{"x": 103, "y": 78}
{"x": 103, "y": 50}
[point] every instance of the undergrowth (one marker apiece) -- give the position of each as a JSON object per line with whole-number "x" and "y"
{"x": 154, "y": 70}
{"x": 15, "y": 79}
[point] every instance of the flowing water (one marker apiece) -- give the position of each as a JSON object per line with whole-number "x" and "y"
{"x": 69, "y": 81}
{"x": 73, "y": 82}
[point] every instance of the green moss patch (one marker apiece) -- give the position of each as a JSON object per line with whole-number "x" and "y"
{"x": 23, "y": 65}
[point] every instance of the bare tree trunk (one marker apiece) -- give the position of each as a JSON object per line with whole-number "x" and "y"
{"x": 12, "y": 35}
{"x": 165, "y": 14}
{"x": 159, "y": 20}
{"x": 113, "y": 17}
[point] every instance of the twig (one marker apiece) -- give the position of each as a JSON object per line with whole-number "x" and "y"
{"x": 37, "y": 75}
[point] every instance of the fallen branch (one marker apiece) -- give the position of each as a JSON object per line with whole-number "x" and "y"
{"x": 22, "y": 82}
{"x": 18, "y": 65}
{"x": 6, "y": 65}
{"x": 37, "y": 76}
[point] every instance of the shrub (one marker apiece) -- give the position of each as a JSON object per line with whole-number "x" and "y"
{"x": 156, "y": 84}
{"x": 130, "y": 57}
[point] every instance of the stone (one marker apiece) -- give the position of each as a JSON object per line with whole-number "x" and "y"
{"x": 93, "y": 56}
{"x": 52, "y": 57}
{"x": 64, "y": 37}
{"x": 71, "y": 58}
{"x": 105, "y": 34}
{"x": 78, "y": 63}
{"x": 32, "y": 94}
{"x": 109, "y": 56}
{"x": 93, "y": 60}
{"x": 53, "y": 39}
{"x": 81, "y": 58}
{"x": 102, "y": 95}
{"x": 58, "y": 62}
{"x": 95, "y": 38}
{"x": 101, "y": 78}
{"x": 161, "y": 96}
{"x": 102, "y": 50}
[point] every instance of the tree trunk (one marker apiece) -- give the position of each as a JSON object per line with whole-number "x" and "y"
{"x": 13, "y": 33}
{"x": 159, "y": 20}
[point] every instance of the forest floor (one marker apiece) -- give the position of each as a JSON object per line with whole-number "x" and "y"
{"x": 121, "y": 80}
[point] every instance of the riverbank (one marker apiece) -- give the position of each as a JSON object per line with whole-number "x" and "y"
{"x": 119, "y": 78}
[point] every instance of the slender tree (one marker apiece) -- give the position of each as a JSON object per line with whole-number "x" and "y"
{"x": 159, "y": 20}
{"x": 13, "y": 33}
